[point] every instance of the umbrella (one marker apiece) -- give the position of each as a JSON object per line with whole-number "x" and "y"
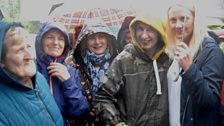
{"x": 54, "y": 7}
{"x": 113, "y": 18}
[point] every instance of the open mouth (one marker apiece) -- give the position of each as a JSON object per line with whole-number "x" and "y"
{"x": 97, "y": 47}
{"x": 54, "y": 48}
{"x": 29, "y": 61}
{"x": 179, "y": 32}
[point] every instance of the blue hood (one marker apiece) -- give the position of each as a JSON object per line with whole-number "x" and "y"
{"x": 41, "y": 57}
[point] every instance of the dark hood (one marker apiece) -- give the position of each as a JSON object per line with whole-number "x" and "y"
{"x": 123, "y": 31}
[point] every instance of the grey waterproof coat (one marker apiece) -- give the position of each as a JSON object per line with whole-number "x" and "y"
{"x": 129, "y": 89}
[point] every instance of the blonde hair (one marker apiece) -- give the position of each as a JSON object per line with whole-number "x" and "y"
{"x": 199, "y": 30}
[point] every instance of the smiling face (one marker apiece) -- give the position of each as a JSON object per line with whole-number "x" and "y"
{"x": 54, "y": 43}
{"x": 147, "y": 37}
{"x": 176, "y": 16}
{"x": 97, "y": 43}
{"x": 18, "y": 58}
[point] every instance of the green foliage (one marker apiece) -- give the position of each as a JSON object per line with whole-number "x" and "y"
{"x": 11, "y": 9}
{"x": 217, "y": 26}
{"x": 72, "y": 30}
{"x": 32, "y": 26}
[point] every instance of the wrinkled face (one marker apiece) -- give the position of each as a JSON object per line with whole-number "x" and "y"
{"x": 97, "y": 43}
{"x": 54, "y": 43}
{"x": 146, "y": 36}
{"x": 19, "y": 55}
{"x": 176, "y": 19}
{"x": 128, "y": 37}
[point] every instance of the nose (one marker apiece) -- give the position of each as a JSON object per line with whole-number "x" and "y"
{"x": 179, "y": 24}
{"x": 97, "y": 40}
{"x": 29, "y": 53}
{"x": 144, "y": 34}
{"x": 56, "y": 41}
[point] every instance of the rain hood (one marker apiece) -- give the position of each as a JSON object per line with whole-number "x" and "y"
{"x": 157, "y": 24}
{"x": 92, "y": 26}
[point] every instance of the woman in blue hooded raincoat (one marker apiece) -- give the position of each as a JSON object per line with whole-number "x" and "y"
{"x": 52, "y": 47}
{"x": 24, "y": 94}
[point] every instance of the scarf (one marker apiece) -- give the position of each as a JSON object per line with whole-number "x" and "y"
{"x": 90, "y": 59}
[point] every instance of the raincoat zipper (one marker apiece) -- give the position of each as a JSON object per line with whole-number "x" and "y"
{"x": 185, "y": 109}
{"x": 37, "y": 95}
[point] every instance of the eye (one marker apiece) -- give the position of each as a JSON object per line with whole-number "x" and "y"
{"x": 61, "y": 38}
{"x": 182, "y": 19}
{"x": 49, "y": 37}
{"x": 139, "y": 29}
{"x": 150, "y": 29}
{"x": 20, "y": 50}
{"x": 91, "y": 37}
{"x": 172, "y": 21}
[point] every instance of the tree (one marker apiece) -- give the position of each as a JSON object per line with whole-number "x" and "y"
{"x": 11, "y": 9}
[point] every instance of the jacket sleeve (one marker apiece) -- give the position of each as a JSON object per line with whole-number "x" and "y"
{"x": 204, "y": 78}
{"x": 3, "y": 120}
{"x": 76, "y": 103}
{"x": 105, "y": 98}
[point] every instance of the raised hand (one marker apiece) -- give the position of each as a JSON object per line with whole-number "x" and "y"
{"x": 183, "y": 56}
{"x": 58, "y": 70}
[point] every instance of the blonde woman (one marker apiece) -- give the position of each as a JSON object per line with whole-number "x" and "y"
{"x": 195, "y": 76}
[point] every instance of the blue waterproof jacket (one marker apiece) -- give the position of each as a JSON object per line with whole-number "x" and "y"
{"x": 68, "y": 94}
{"x": 201, "y": 87}
{"x": 21, "y": 105}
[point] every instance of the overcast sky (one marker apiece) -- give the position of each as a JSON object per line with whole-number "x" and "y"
{"x": 39, "y": 9}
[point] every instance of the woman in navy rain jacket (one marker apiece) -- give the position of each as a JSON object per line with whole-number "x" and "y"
{"x": 195, "y": 76}
{"x": 52, "y": 46}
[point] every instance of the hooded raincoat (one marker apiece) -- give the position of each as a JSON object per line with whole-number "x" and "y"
{"x": 68, "y": 94}
{"x": 134, "y": 89}
{"x": 91, "y": 27}
{"x": 21, "y": 105}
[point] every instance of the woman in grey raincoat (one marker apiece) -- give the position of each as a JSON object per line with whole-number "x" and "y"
{"x": 134, "y": 89}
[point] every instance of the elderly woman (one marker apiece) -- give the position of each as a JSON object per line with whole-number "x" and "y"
{"x": 52, "y": 47}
